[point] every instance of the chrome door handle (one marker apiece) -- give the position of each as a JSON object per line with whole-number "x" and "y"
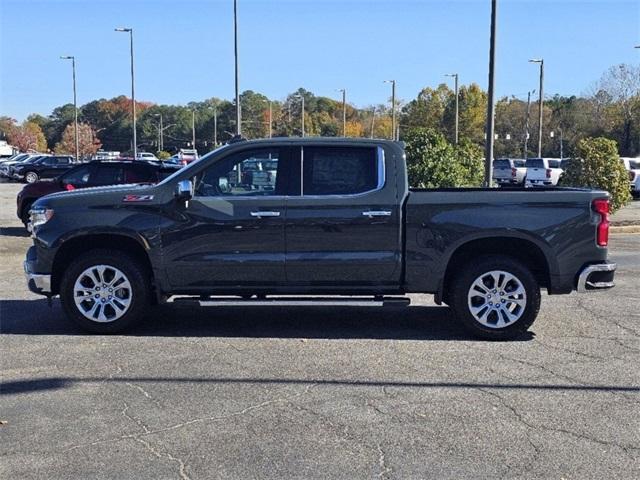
{"x": 265, "y": 214}
{"x": 377, "y": 213}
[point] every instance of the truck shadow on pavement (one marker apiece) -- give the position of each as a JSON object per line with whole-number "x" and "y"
{"x": 14, "y": 232}
{"x": 34, "y": 317}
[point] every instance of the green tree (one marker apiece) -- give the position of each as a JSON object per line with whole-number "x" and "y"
{"x": 598, "y": 166}
{"x": 431, "y": 160}
{"x": 470, "y": 158}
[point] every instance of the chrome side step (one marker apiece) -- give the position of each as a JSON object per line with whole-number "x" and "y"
{"x": 295, "y": 301}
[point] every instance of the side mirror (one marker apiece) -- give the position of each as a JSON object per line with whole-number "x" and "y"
{"x": 184, "y": 190}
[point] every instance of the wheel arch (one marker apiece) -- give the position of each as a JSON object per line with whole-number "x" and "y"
{"x": 79, "y": 244}
{"x": 537, "y": 258}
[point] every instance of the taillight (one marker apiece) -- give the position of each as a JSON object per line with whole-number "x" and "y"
{"x": 601, "y": 206}
{"x": 514, "y": 172}
{"x": 548, "y": 173}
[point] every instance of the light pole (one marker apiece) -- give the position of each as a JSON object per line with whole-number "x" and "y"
{"x": 540, "y": 102}
{"x": 270, "y": 119}
{"x": 373, "y": 120}
{"x": 455, "y": 76}
{"x": 160, "y": 133}
{"x": 526, "y": 125}
{"x": 193, "y": 129}
{"x": 344, "y": 111}
{"x": 133, "y": 93}
{"x": 491, "y": 110}
{"x": 393, "y": 108}
{"x": 235, "y": 50}
{"x": 301, "y": 97}
{"x": 75, "y": 104}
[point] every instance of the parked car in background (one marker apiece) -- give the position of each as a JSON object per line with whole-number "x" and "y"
{"x": 15, "y": 158}
{"x": 146, "y": 156}
{"x": 92, "y": 174}
{"x": 542, "y": 172}
{"x": 187, "y": 156}
{"x": 5, "y": 167}
{"x": 105, "y": 155}
{"x": 44, "y": 167}
{"x": 632, "y": 165}
{"x": 509, "y": 171}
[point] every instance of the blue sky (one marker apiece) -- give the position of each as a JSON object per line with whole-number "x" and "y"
{"x": 184, "y": 49}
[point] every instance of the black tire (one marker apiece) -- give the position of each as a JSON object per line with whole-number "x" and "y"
{"x": 25, "y": 212}
{"x": 139, "y": 293}
{"x": 461, "y": 302}
{"x": 31, "y": 177}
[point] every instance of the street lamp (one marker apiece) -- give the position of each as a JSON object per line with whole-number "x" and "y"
{"x": 300, "y": 96}
{"x": 235, "y": 54}
{"x": 526, "y": 127}
{"x": 75, "y": 103}
{"x": 270, "y": 119}
{"x": 133, "y": 94}
{"x": 540, "y": 102}
{"x": 455, "y": 76}
{"x": 344, "y": 111}
{"x": 160, "y": 133}
{"x": 193, "y": 129}
{"x": 491, "y": 109}
{"x": 393, "y": 108}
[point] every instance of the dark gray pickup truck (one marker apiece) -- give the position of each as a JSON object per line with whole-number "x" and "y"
{"x": 315, "y": 221}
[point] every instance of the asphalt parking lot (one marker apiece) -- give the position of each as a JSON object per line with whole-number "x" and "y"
{"x": 318, "y": 392}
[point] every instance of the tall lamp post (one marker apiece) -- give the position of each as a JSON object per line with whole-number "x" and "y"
{"x": 270, "y": 119}
{"x": 301, "y": 97}
{"x": 540, "y": 102}
{"x": 133, "y": 93}
{"x": 491, "y": 110}
{"x": 526, "y": 125}
{"x": 455, "y": 76}
{"x": 193, "y": 129}
{"x": 235, "y": 52}
{"x": 393, "y": 108}
{"x": 75, "y": 104}
{"x": 344, "y": 111}
{"x": 160, "y": 133}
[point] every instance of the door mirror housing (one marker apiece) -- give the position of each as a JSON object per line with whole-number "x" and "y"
{"x": 184, "y": 190}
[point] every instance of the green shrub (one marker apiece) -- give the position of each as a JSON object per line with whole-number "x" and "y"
{"x": 431, "y": 160}
{"x": 162, "y": 155}
{"x": 598, "y": 166}
{"x": 471, "y": 159}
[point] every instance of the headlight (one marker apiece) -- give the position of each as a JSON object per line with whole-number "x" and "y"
{"x": 40, "y": 216}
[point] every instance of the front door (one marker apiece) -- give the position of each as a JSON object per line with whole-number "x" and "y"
{"x": 231, "y": 234}
{"x": 344, "y": 228}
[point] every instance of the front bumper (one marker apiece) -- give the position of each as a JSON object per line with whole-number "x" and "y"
{"x": 39, "y": 283}
{"x": 596, "y": 277}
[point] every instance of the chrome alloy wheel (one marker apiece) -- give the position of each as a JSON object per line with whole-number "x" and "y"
{"x": 497, "y": 299}
{"x": 31, "y": 177}
{"x": 102, "y": 293}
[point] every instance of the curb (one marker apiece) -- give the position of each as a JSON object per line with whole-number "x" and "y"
{"x": 617, "y": 229}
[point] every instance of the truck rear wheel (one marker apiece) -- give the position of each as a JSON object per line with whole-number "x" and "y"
{"x": 495, "y": 298}
{"x": 105, "y": 291}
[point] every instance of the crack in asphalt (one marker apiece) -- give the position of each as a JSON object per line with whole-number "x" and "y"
{"x": 385, "y": 471}
{"x": 627, "y": 449}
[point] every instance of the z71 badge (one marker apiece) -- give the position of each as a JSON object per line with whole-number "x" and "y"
{"x": 137, "y": 198}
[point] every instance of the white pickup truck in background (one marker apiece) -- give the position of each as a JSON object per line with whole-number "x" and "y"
{"x": 542, "y": 172}
{"x": 632, "y": 165}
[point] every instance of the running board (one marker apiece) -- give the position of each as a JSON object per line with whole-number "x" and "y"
{"x": 296, "y": 302}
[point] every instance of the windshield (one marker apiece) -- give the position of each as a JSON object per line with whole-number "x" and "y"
{"x": 194, "y": 164}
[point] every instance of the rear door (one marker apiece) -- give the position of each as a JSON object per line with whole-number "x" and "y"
{"x": 343, "y": 219}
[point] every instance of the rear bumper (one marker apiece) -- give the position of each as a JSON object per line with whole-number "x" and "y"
{"x": 596, "y": 277}
{"x": 39, "y": 283}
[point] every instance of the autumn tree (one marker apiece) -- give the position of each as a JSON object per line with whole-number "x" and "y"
{"x": 27, "y": 136}
{"x": 88, "y": 143}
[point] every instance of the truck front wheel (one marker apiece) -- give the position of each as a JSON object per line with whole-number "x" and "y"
{"x": 105, "y": 291}
{"x": 496, "y": 297}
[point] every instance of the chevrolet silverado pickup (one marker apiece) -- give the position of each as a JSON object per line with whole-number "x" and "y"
{"x": 331, "y": 221}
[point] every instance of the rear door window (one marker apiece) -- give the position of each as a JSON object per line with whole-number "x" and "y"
{"x": 339, "y": 170}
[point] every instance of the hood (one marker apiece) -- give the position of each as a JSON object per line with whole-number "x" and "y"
{"x": 40, "y": 188}
{"x": 95, "y": 192}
